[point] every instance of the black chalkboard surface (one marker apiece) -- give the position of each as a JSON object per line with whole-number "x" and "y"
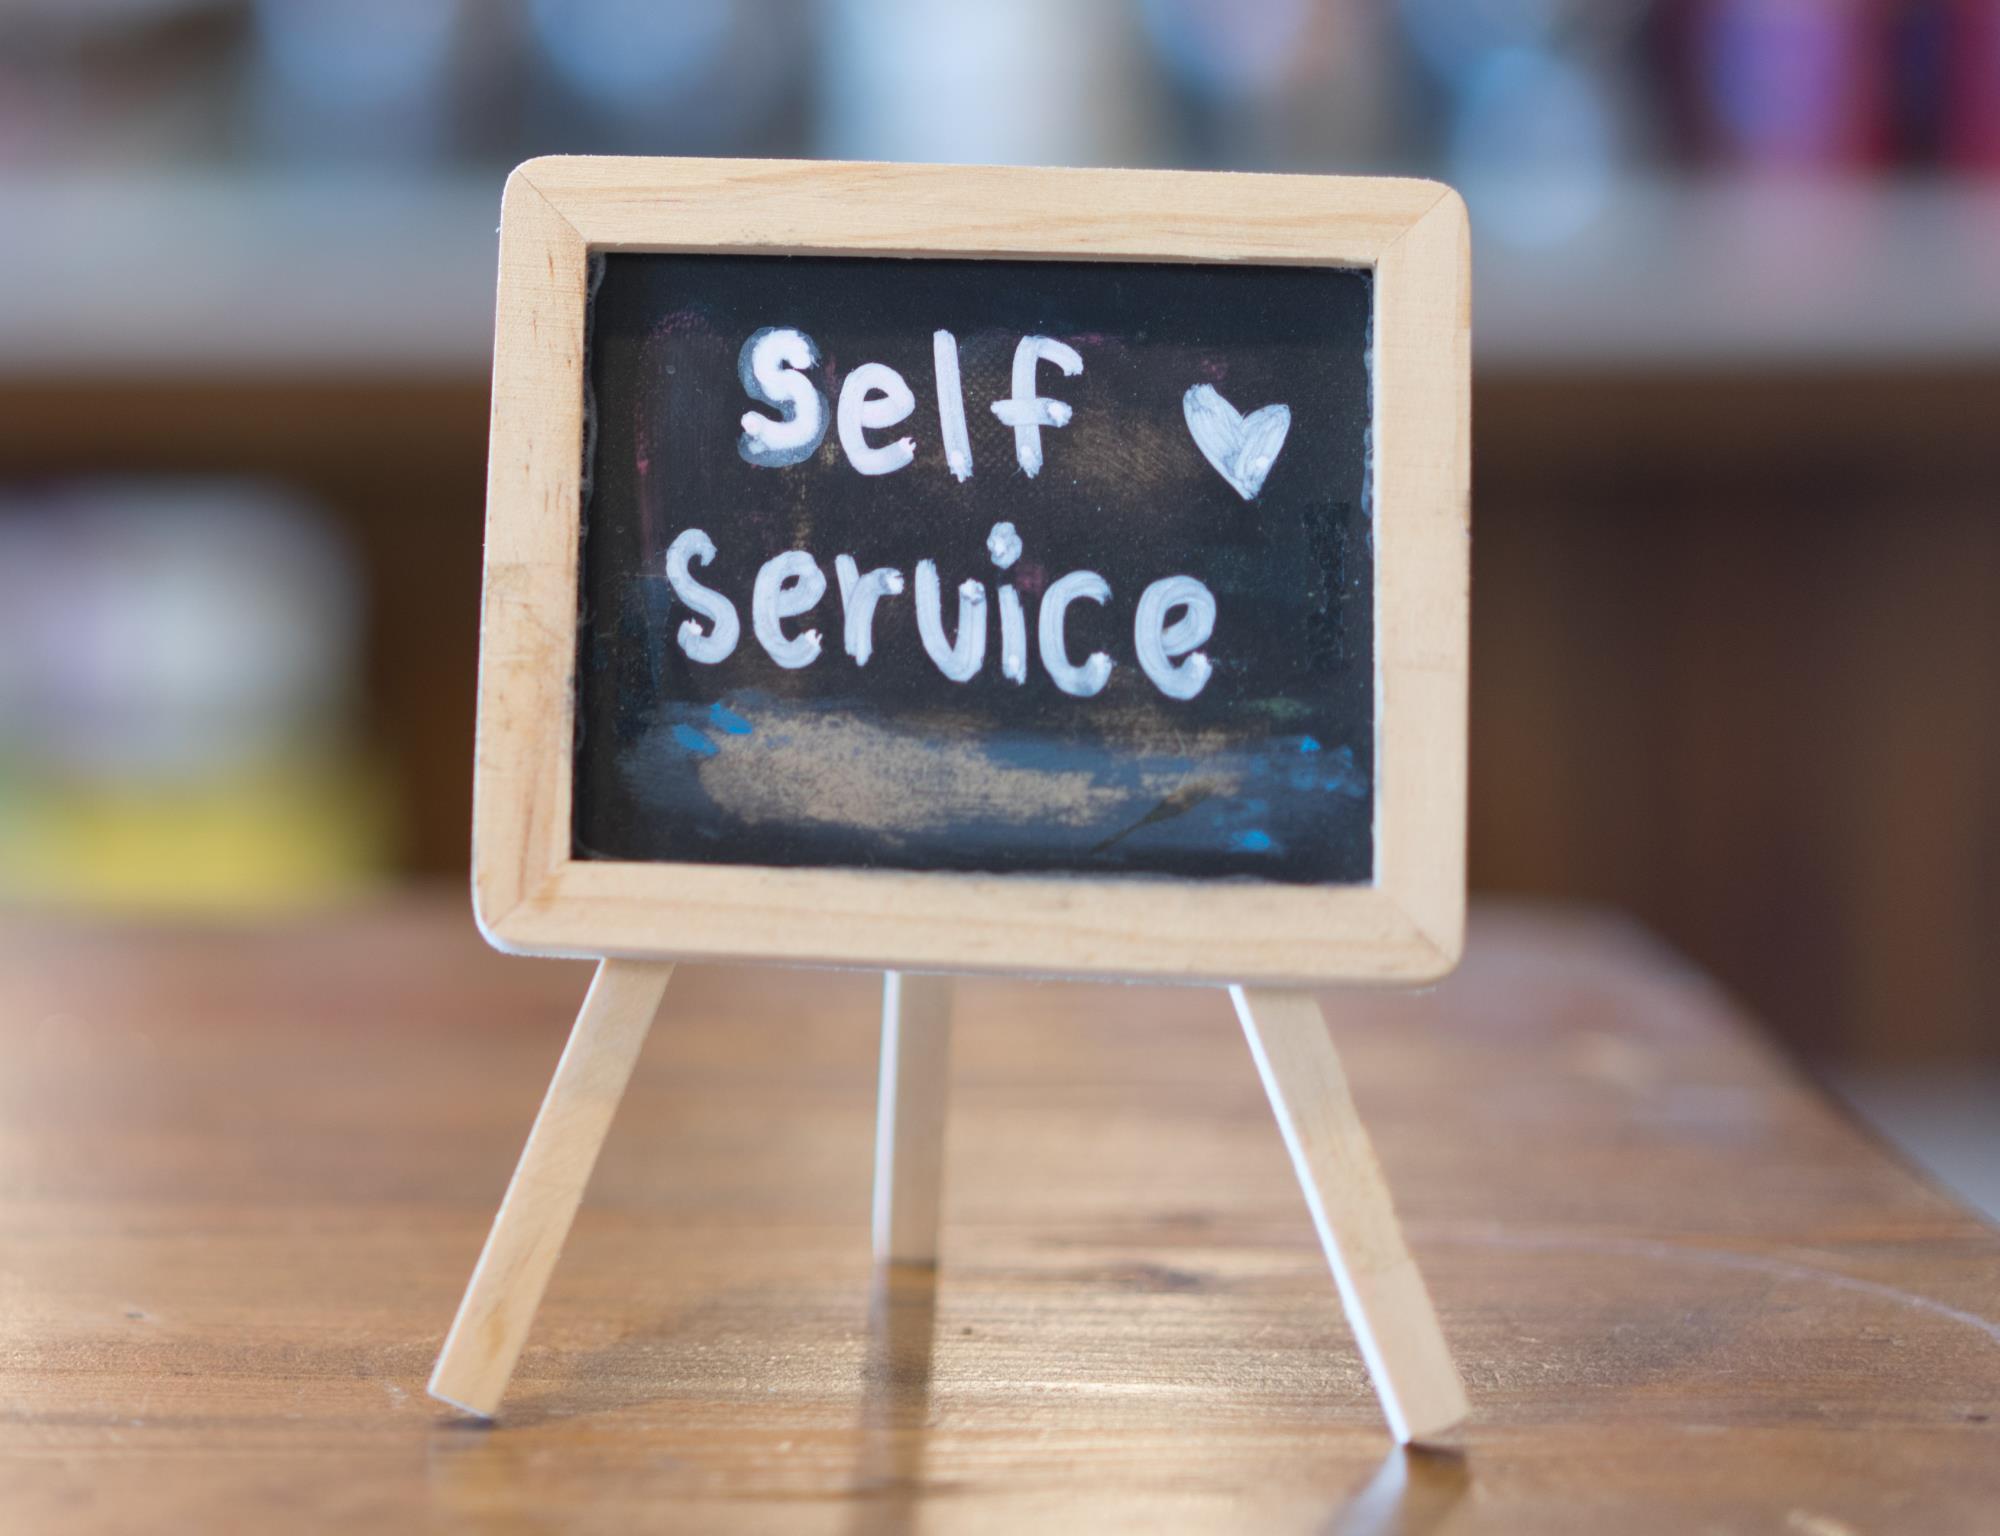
{"x": 1197, "y": 516}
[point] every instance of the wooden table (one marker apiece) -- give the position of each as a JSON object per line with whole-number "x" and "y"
{"x": 243, "y": 1177}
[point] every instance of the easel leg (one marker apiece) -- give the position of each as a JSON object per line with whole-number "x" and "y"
{"x": 1387, "y": 1305}
{"x": 909, "y": 1117}
{"x": 485, "y": 1341}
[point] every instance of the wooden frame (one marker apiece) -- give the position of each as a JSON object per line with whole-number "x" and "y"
{"x": 533, "y": 897}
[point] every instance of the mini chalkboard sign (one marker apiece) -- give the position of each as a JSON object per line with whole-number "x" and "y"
{"x": 1093, "y": 608}
{"x": 940, "y": 569}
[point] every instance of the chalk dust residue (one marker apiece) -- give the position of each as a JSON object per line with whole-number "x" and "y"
{"x": 846, "y": 772}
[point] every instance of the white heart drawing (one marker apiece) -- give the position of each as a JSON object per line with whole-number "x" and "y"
{"x": 1242, "y": 448}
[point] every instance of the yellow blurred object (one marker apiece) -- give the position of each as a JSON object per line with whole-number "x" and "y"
{"x": 179, "y": 677}
{"x": 284, "y": 834}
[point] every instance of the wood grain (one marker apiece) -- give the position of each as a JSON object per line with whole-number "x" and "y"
{"x": 1381, "y": 1290}
{"x": 858, "y": 208}
{"x": 528, "y": 591}
{"x": 243, "y": 1176}
{"x": 498, "y": 1309}
{"x": 535, "y": 898}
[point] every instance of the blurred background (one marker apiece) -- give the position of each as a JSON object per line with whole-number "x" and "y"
{"x": 1737, "y": 406}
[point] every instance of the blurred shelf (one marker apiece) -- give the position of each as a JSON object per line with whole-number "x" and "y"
{"x": 227, "y": 274}
{"x": 1753, "y": 273}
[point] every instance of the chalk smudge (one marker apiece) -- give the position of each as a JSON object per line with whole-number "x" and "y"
{"x": 839, "y": 770}
{"x": 760, "y": 766}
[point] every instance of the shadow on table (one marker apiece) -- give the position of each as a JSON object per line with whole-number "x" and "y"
{"x": 1410, "y": 1494}
{"x": 895, "y": 1399}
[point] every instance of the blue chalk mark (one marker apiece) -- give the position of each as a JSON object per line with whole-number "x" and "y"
{"x": 729, "y": 720}
{"x": 1253, "y": 841}
{"x": 694, "y": 741}
{"x": 1307, "y": 744}
{"x": 1347, "y": 778}
{"x": 1335, "y": 774}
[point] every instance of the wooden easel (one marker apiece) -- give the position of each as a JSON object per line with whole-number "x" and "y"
{"x": 562, "y": 221}
{"x": 1380, "y": 1288}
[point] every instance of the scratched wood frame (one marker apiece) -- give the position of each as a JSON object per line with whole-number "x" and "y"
{"x": 533, "y": 897}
